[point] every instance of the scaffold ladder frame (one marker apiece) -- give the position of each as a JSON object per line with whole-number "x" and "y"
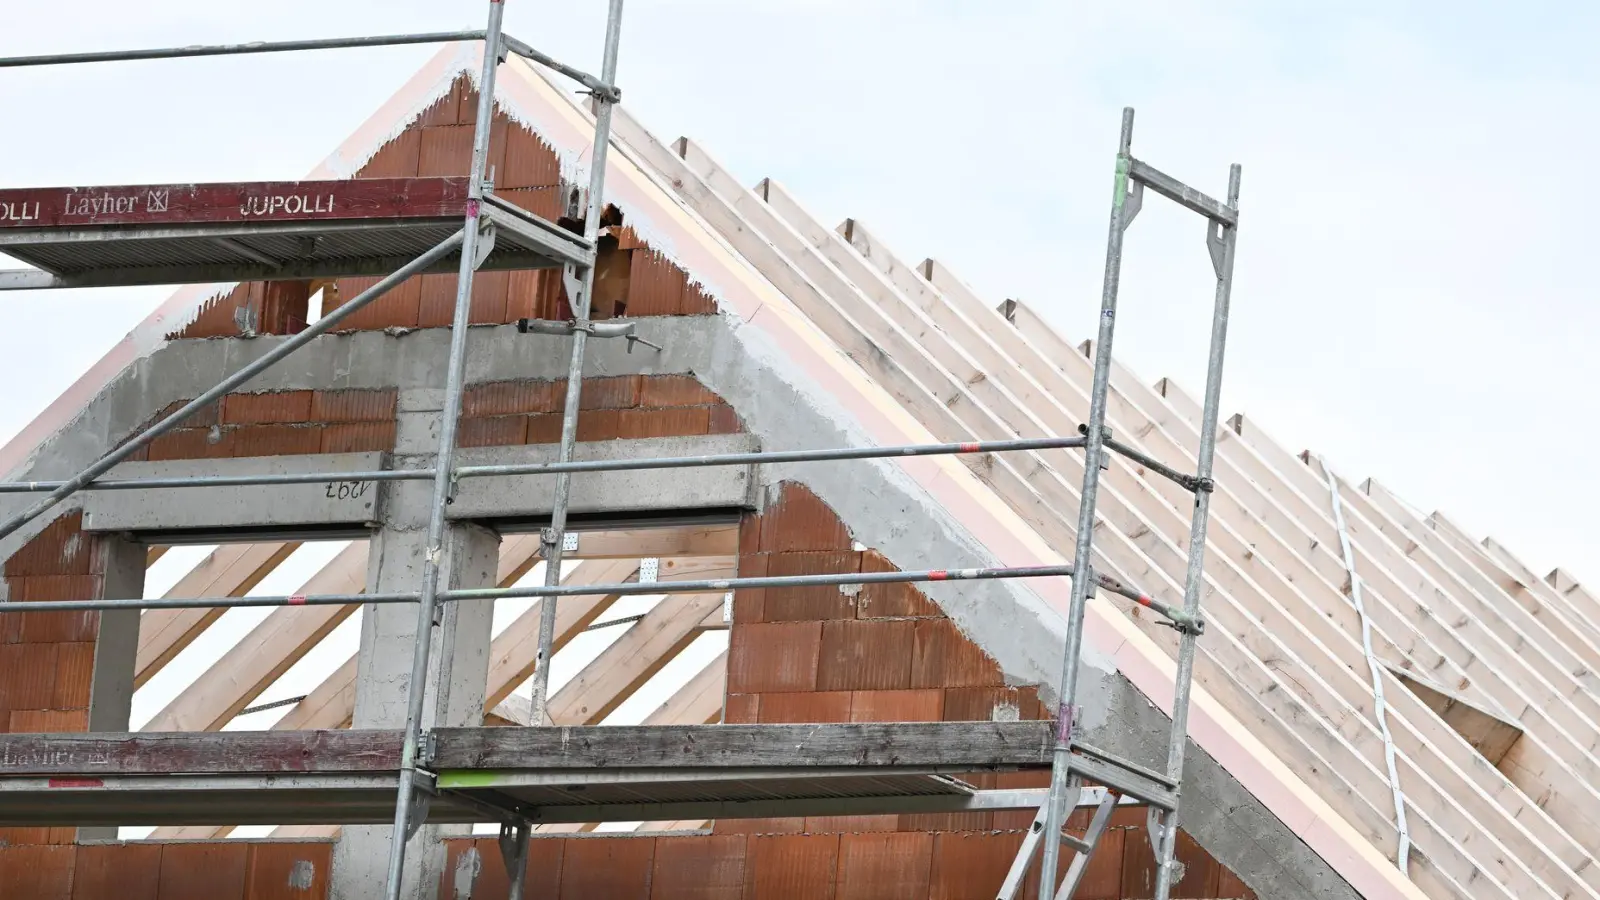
{"x": 1068, "y": 768}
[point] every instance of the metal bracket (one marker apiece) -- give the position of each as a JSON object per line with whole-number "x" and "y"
{"x": 423, "y": 789}
{"x": 1132, "y": 203}
{"x": 428, "y": 748}
{"x": 1160, "y": 834}
{"x": 513, "y": 842}
{"x": 1153, "y": 825}
{"x": 649, "y": 570}
{"x": 574, "y": 286}
{"x": 1216, "y": 244}
{"x": 569, "y": 542}
{"x": 486, "y": 235}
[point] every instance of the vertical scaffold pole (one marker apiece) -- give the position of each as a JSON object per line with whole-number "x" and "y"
{"x": 444, "y": 464}
{"x": 1061, "y": 781}
{"x": 552, "y": 539}
{"x": 1220, "y": 241}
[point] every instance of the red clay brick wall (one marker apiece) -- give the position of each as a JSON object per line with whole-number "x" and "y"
{"x": 47, "y": 658}
{"x": 282, "y": 423}
{"x": 278, "y": 423}
{"x": 631, "y": 278}
{"x": 234, "y": 870}
{"x": 820, "y": 865}
{"x": 621, "y": 407}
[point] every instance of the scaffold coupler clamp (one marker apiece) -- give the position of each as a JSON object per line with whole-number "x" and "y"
{"x": 1186, "y": 625}
{"x": 1105, "y": 437}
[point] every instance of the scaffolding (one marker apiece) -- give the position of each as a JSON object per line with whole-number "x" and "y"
{"x": 1071, "y": 759}
{"x": 151, "y": 234}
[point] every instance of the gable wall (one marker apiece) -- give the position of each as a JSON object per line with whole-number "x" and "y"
{"x": 651, "y": 284}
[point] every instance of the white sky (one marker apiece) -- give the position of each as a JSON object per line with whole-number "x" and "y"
{"x": 1411, "y": 296}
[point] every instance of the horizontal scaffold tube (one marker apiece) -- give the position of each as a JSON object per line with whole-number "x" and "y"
{"x": 383, "y": 40}
{"x": 595, "y": 465}
{"x": 699, "y": 586}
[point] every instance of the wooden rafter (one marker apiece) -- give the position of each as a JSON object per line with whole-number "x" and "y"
{"x": 280, "y": 641}
{"x": 633, "y": 658}
{"x": 230, "y": 571}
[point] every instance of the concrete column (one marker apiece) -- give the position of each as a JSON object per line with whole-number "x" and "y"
{"x": 459, "y": 661}
{"x": 460, "y": 656}
{"x": 121, "y": 563}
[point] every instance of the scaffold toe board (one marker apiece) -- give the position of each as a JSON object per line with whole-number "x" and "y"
{"x": 197, "y": 233}
{"x": 573, "y": 796}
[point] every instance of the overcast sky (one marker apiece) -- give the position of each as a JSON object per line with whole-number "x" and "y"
{"x": 1412, "y": 295}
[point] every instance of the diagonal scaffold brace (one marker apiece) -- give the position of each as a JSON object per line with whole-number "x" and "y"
{"x": 551, "y": 540}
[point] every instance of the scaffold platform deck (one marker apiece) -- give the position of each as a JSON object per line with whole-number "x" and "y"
{"x": 587, "y": 774}
{"x": 245, "y": 231}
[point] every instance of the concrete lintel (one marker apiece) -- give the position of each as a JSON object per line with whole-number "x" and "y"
{"x": 323, "y": 503}
{"x": 529, "y": 496}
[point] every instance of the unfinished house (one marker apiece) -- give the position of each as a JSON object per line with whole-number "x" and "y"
{"x": 1382, "y": 706}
